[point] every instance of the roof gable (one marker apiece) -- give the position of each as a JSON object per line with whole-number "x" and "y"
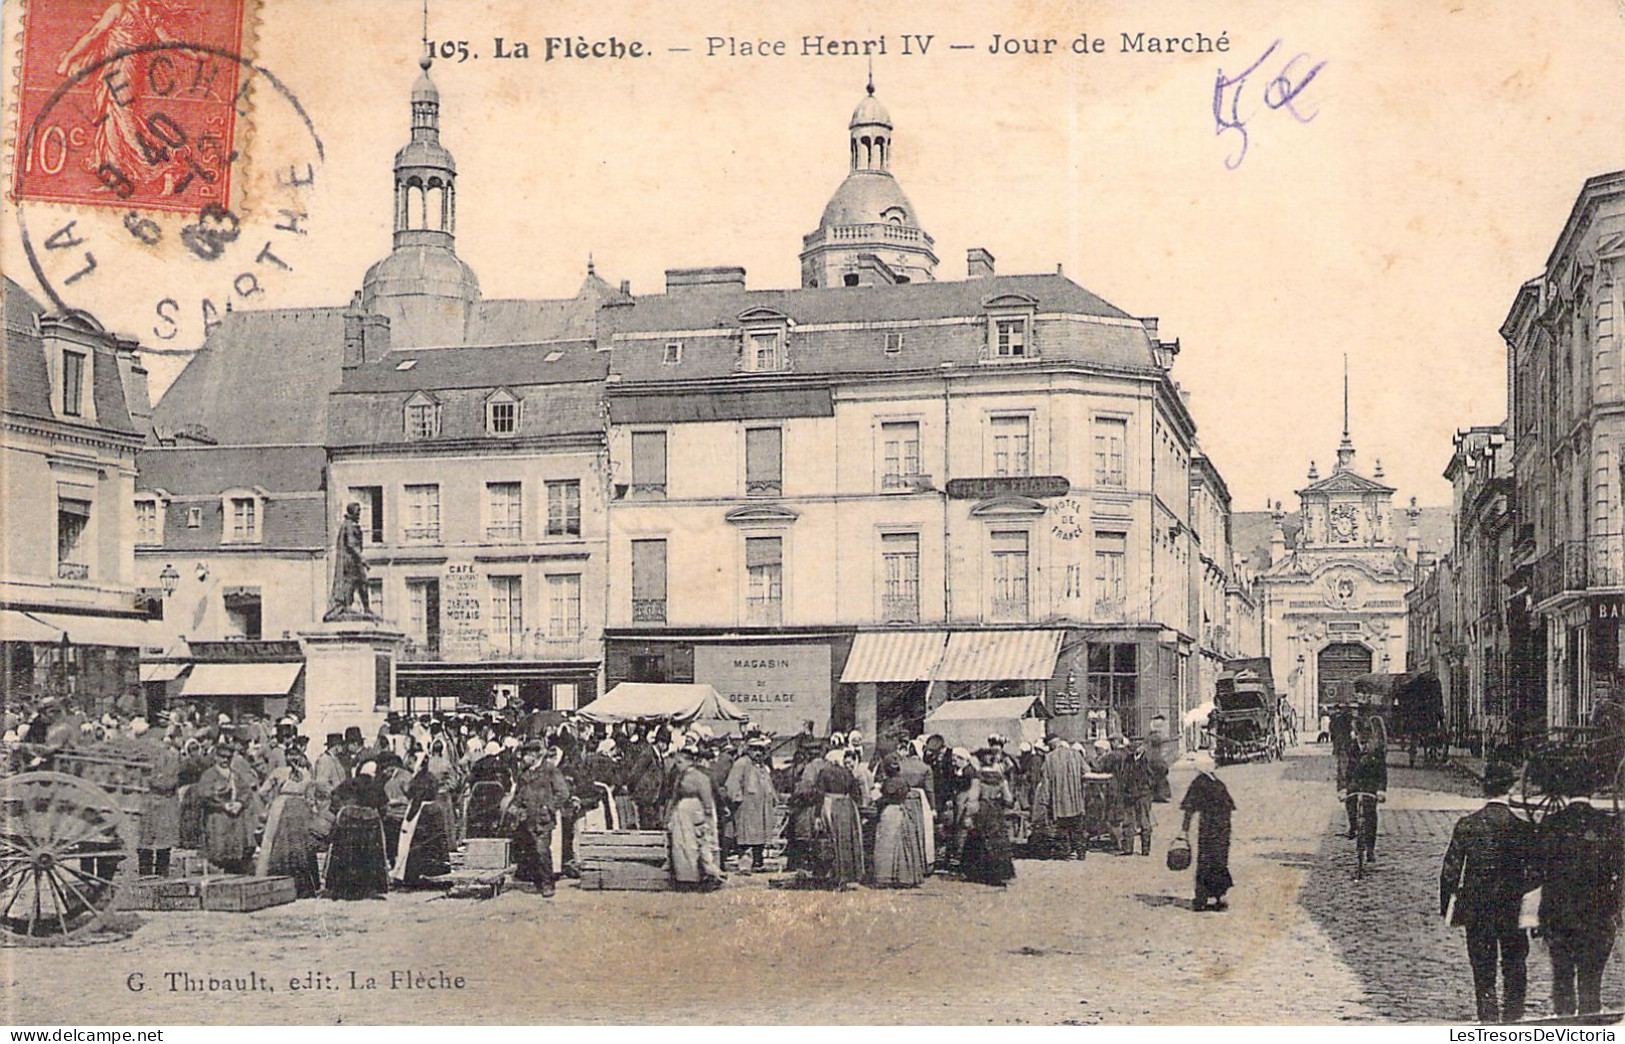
{"x": 1346, "y": 482}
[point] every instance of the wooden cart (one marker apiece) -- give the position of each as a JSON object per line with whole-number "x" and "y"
{"x": 68, "y": 822}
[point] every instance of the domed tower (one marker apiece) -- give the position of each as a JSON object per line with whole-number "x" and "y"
{"x": 423, "y": 286}
{"x": 869, "y": 233}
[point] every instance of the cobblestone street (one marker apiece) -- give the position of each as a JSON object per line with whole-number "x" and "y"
{"x": 1110, "y": 940}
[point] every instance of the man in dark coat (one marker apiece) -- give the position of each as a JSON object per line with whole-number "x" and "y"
{"x": 538, "y": 800}
{"x": 1137, "y": 783}
{"x": 645, "y": 775}
{"x": 1489, "y": 866}
{"x": 1368, "y": 774}
{"x": 1583, "y": 856}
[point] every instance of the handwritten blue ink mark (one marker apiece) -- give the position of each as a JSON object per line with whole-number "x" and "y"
{"x": 1280, "y": 92}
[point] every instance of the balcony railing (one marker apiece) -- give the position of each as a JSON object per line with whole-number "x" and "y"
{"x": 764, "y": 488}
{"x": 1109, "y": 609}
{"x": 901, "y": 608}
{"x": 648, "y": 610}
{"x": 1580, "y": 565}
{"x": 908, "y": 482}
{"x": 868, "y": 232}
{"x": 72, "y": 571}
{"x": 648, "y": 490}
{"x": 1010, "y": 609}
{"x": 505, "y": 531}
{"x": 422, "y": 534}
{"x": 764, "y": 612}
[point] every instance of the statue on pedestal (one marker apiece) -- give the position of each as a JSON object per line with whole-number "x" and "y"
{"x": 349, "y": 571}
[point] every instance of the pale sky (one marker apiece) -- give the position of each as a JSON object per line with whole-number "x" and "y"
{"x": 1447, "y": 144}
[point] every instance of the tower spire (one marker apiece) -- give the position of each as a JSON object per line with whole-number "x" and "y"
{"x": 1345, "y": 449}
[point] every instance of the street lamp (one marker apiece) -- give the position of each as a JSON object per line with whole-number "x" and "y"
{"x": 168, "y": 579}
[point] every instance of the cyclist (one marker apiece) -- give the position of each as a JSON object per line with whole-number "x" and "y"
{"x": 1367, "y": 786}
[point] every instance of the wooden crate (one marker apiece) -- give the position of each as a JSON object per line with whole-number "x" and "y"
{"x": 164, "y": 893}
{"x": 245, "y": 894}
{"x": 488, "y": 853}
{"x": 186, "y": 863}
{"x": 633, "y": 846}
{"x": 624, "y": 877}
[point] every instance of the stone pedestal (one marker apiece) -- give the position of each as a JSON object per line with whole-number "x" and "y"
{"x": 349, "y": 676}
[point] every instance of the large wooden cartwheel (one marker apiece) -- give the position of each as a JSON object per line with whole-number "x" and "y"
{"x": 63, "y": 842}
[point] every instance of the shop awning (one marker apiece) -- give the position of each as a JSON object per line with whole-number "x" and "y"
{"x": 162, "y": 672}
{"x": 1000, "y": 656}
{"x": 125, "y": 632}
{"x": 242, "y": 679}
{"x": 18, "y": 626}
{"x": 968, "y": 723}
{"x": 894, "y": 656}
{"x": 651, "y": 701}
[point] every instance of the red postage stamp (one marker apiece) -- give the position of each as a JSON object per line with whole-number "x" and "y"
{"x": 130, "y": 103}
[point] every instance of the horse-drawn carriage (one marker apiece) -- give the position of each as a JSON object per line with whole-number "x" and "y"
{"x": 1245, "y": 723}
{"x": 1411, "y": 706}
{"x": 68, "y": 822}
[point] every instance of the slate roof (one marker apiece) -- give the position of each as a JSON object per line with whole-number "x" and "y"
{"x": 195, "y": 476}
{"x": 1119, "y": 343}
{"x": 27, "y": 381}
{"x": 262, "y": 378}
{"x": 489, "y": 367}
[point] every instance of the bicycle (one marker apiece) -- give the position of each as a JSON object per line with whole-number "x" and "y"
{"x": 1365, "y": 805}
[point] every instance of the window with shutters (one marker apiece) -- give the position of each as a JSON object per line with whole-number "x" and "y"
{"x": 1010, "y": 574}
{"x": 149, "y": 522}
{"x": 1012, "y": 445}
{"x": 899, "y": 455}
{"x": 764, "y": 462}
{"x": 422, "y": 513}
{"x": 648, "y": 581}
{"x": 564, "y": 606}
{"x": 72, "y": 521}
{"x": 504, "y": 511}
{"x": 764, "y": 569}
{"x": 1110, "y": 435}
{"x": 423, "y": 614}
{"x": 564, "y": 508}
{"x": 73, "y": 383}
{"x": 900, "y": 566}
{"x": 1111, "y": 587}
{"x": 507, "y": 628}
{"x": 422, "y": 417}
{"x": 649, "y": 464}
{"x": 371, "y": 499}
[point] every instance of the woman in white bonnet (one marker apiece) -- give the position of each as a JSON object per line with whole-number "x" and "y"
{"x": 1208, "y": 798}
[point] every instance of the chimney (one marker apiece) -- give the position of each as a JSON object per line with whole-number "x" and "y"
{"x": 626, "y": 287}
{"x": 696, "y": 280}
{"x": 354, "y": 352}
{"x": 137, "y": 397}
{"x": 1150, "y": 324}
{"x": 374, "y": 337}
{"x": 978, "y": 263}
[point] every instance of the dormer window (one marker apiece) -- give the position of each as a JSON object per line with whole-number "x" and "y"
{"x": 502, "y": 413}
{"x": 73, "y": 383}
{"x": 243, "y": 511}
{"x": 149, "y": 521}
{"x": 1009, "y": 338}
{"x": 764, "y": 349}
{"x": 894, "y": 343}
{"x": 422, "y": 417}
{"x": 1010, "y": 328}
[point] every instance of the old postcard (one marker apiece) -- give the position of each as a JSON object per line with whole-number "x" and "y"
{"x": 1019, "y": 513}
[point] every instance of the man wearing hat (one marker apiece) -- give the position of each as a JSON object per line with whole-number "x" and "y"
{"x": 329, "y": 771}
{"x": 160, "y": 827}
{"x": 541, "y": 793}
{"x": 1489, "y": 866}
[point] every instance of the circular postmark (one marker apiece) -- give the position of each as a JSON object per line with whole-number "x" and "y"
{"x": 154, "y": 189}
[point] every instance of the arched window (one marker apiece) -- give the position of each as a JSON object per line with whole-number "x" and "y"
{"x": 434, "y": 205}
{"x": 414, "y": 204}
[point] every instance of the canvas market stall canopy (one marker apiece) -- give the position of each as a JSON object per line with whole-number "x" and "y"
{"x": 968, "y": 723}
{"x": 650, "y": 701}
